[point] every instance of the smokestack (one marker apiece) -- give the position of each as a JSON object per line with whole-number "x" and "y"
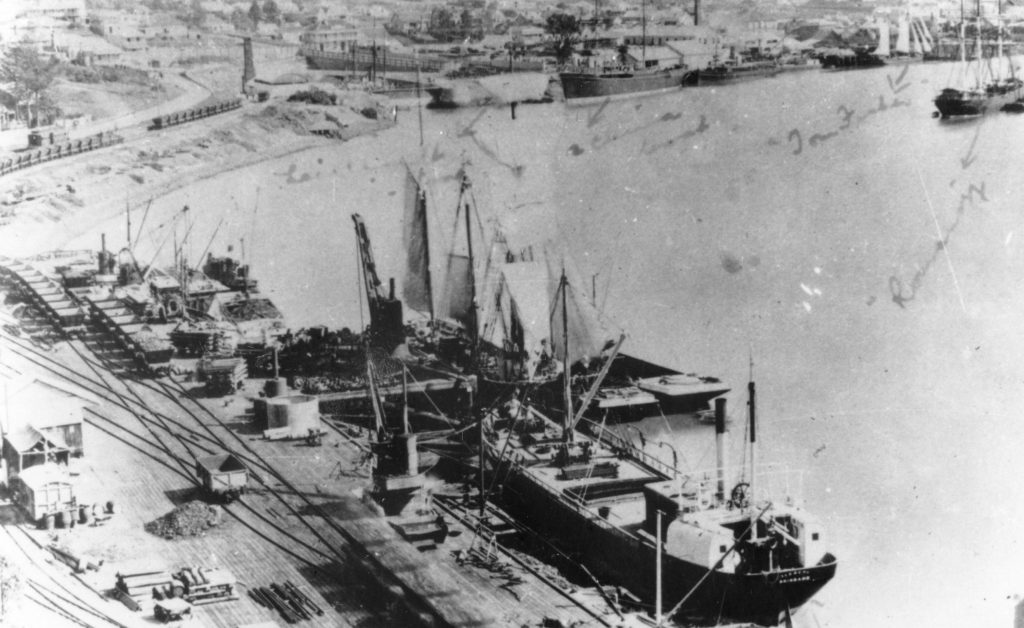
{"x": 103, "y": 254}
{"x": 696, "y": 12}
{"x": 720, "y": 445}
{"x": 248, "y": 67}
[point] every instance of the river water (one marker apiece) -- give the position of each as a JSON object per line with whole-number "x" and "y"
{"x": 867, "y": 258}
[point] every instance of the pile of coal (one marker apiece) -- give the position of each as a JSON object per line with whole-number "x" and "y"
{"x": 189, "y": 519}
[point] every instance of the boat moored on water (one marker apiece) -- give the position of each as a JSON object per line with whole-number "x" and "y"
{"x": 983, "y": 85}
{"x": 622, "y": 81}
{"x": 697, "y": 545}
{"x": 732, "y": 71}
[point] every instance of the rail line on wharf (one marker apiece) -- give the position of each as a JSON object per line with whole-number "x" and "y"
{"x": 383, "y": 573}
{"x": 56, "y": 607}
{"x": 341, "y": 553}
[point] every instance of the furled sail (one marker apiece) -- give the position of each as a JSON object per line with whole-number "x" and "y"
{"x": 416, "y": 289}
{"x": 915, "y": 39}
{"x": 923, "y": 36}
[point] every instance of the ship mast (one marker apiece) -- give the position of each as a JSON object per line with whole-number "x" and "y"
{"x": 567, "y": 424}
{"x": 643, "y": 33}
{"x": 753, "y": 448}
{"x": 473, "y": 332}
{"x": 977, "y": 40}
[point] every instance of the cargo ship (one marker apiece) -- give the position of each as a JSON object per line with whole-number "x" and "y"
{"x": 734, "y": 71}
{"x": 701, "y": 546}
{"x": 343, "y": 48}
{"x": 623, "y": 81}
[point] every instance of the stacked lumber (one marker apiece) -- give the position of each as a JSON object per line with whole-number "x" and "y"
{"x": 141, "y": 583}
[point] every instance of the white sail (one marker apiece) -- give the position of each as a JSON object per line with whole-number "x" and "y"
{"x": 883, "y": 39}
{"x": 902, "y": 36}
{"x": 589, "y": 333}
{"x": 416, "y": 288}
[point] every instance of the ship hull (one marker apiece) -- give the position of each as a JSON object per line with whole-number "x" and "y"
{"x": 366, "y": 59}
{"x": 858, "y": 61}
{"x": 721, "y": 75}
{"x": 579, "y": 85}
{"x": 618, "y": 557}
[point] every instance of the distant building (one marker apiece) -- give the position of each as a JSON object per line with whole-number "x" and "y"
{"x": 325, "y": 38}
{"x": 70, "y": 11}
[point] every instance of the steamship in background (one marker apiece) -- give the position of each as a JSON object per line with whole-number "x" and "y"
{"x": 344, "y": 49}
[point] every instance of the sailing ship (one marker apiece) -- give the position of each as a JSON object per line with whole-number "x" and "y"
{"x": 702, "y": 548}
{"x": 491, "y": 319}
{"x": 985, "y": 85}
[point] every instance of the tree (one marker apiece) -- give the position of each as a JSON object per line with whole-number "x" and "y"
{"x": 240, "y": 20}
{"x": 565, "y": 29}
{"x": 30, "y": 76}
{"x": 196, "y": 15}
{"x": 271, "y": 13}
{"x": 255, "y": 15}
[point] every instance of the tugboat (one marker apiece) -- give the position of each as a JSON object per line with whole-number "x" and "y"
{"x": 702, "y": 548}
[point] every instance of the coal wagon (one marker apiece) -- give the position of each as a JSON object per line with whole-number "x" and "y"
{"x": 223, "y": 476}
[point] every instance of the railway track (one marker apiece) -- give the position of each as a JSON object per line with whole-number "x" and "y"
{"x": 193, "y": 442}
{"x": 52, "y": 599}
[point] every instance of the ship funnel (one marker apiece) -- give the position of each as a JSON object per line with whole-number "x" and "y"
{"x": 720, "y": 445}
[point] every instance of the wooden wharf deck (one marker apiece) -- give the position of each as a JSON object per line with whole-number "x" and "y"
{"x": 44, "y": 294}
{"x": 329, "y": 552}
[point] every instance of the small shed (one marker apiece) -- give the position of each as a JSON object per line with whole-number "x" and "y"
{"x": 44, "y": 490}
{"x": 47, "y": 406}
{"x": 27, "y": 447}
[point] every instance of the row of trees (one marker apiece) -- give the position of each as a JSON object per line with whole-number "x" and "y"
{"x": 29, "y": 76}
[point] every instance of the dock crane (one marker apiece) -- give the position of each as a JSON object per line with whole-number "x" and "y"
{"x": 386, "y": 327}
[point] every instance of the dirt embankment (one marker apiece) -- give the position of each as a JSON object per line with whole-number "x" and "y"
{"x": 151, "y": 164}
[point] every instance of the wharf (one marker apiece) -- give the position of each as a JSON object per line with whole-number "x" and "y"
{"x": 43, "y": 293}
{"x": 302, "y": 519}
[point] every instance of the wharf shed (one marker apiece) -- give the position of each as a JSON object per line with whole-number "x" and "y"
{"x": 37, "y": 411}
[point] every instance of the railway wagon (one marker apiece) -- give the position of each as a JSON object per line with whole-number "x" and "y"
{"x": 195, "y": 113}
{"x": 223, "y": 476}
